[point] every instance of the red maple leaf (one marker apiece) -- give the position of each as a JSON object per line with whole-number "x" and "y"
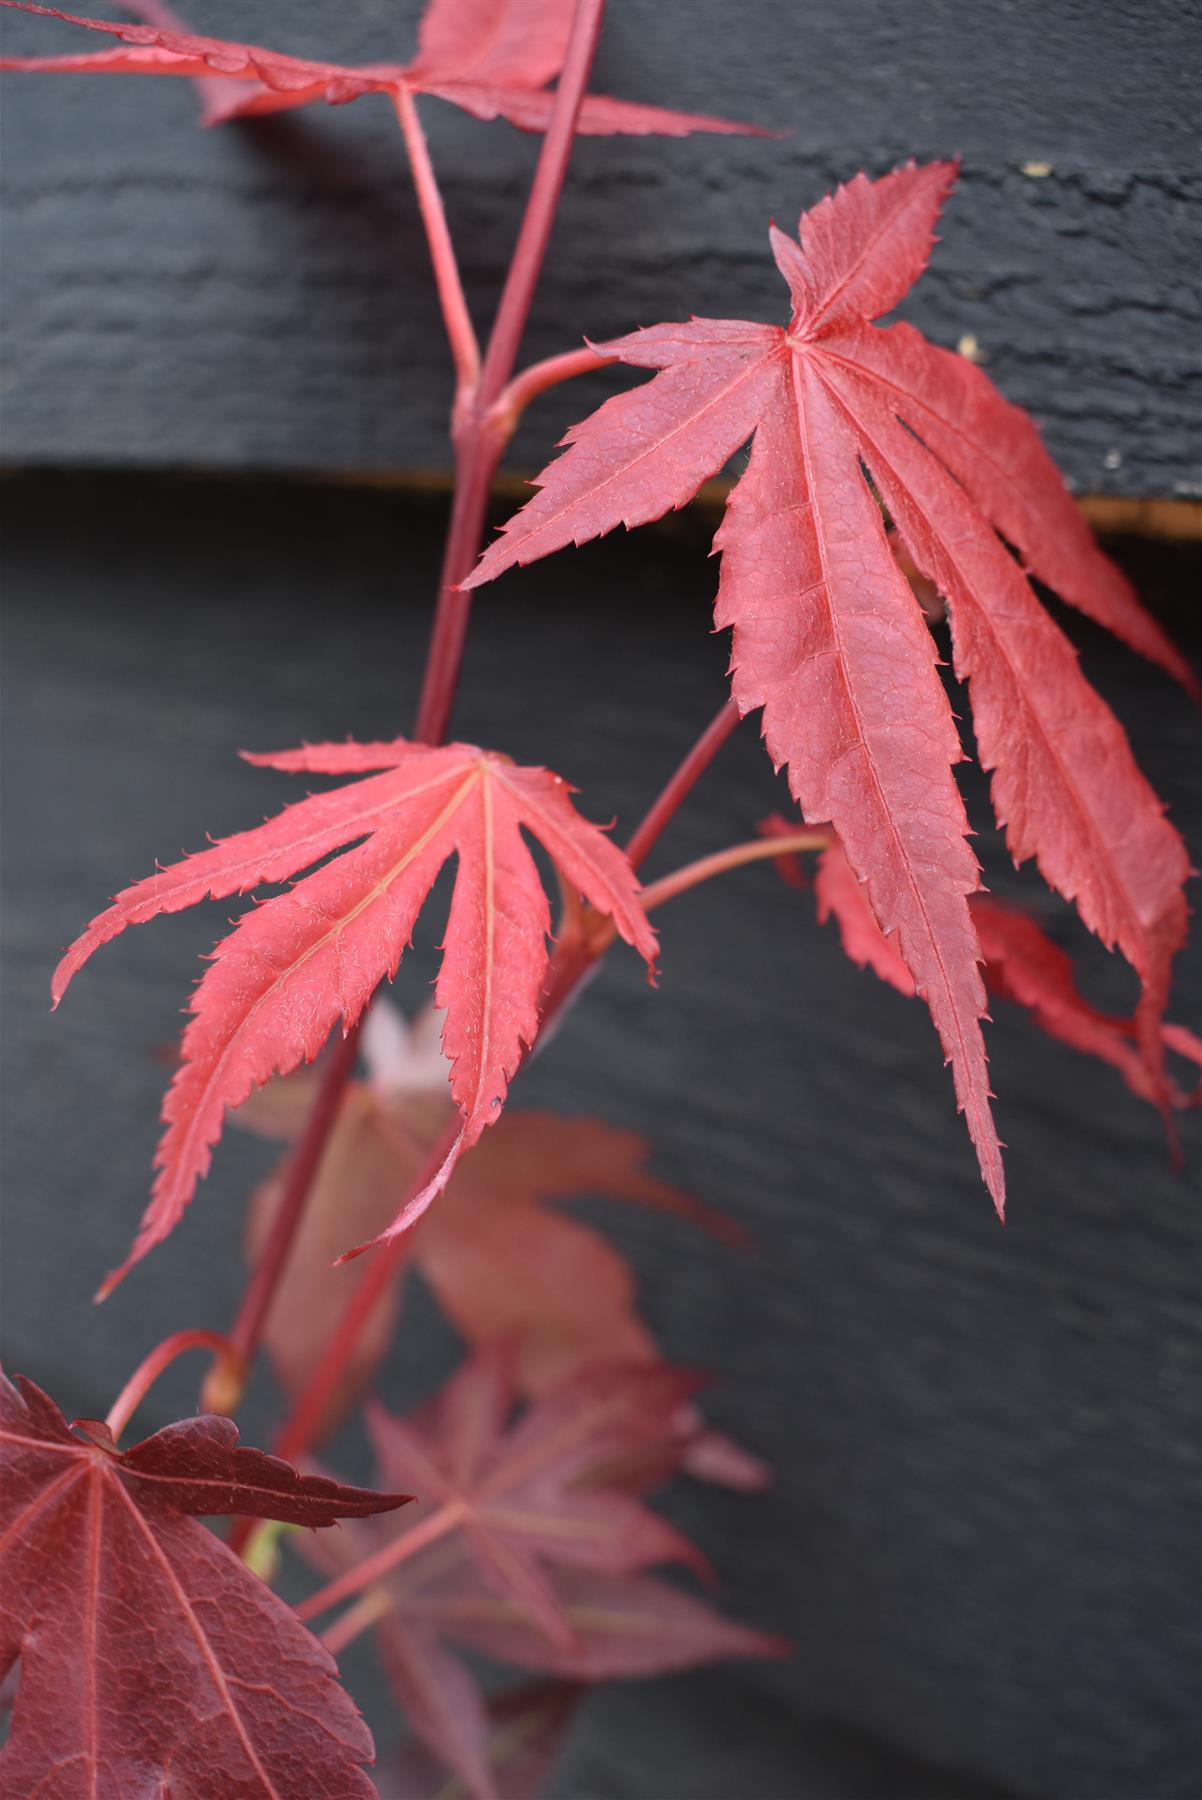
{"x": 505, "y": 1265}
{"x": 525, "y": 1730}
{"x": 828, "y": 638}
{"x": 522, "y": 1496}
{"x": 1022, "y": 964}
{"x": 553, "y": 1492}
{"x": 152, "y": 1660}
{"x": 294, "y": 965}
{"x": 493, "y": 58}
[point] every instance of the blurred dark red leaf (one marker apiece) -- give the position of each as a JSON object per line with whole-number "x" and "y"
{"x": 544, "y": 1560}
{"x": 505, "y": 1266}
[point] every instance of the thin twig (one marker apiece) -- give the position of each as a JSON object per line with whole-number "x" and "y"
{"x": 480, "y": 439}
{"x": 461, "y": 334}
{"x": 530, "y": 382}
{"x": 160, "y": 1358}
{"x": 534, "y": 235}
{"x": 382, "y": 1562}
{"x": 656, "y": 893}
{"x": 648, "y": 833}
{"x": 247, "y": 1328}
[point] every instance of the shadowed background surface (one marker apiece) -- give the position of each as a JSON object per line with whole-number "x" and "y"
{"x": 984, "y": 1538}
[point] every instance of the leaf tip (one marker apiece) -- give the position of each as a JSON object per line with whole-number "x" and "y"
{"x": 112, "y": 1280}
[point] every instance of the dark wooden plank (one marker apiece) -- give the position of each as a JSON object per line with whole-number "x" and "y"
{"x": 985, "y": 1535}
{"x": 258, "y": 295}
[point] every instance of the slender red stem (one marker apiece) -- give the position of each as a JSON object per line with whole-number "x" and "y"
{"x": 480, "y": 437}
{"x": 648, "y": 833}
{"x": 530, "y": 382}
{"x": 247, "y": 1328}
{"x": 383, "y": 1561}
{"x": 477, "y": 453}
{"x": 461, "y": 333}
{"x": 152, "y": 1366}
{"x": 357, "y": 1619}
{"x": 577, "y": 953}
{"x": 581, "y": 956}
{"x": 706, "y": 867}
{"x": 527, "y": 261}
{"x": 305, "y": 1420}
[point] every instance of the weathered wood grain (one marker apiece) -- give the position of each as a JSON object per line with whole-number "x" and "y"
{"x": 258, "y": 295}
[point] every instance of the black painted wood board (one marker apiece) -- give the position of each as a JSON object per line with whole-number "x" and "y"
{"x": 984, "y": 1538}
{"x": 257, "y": 296}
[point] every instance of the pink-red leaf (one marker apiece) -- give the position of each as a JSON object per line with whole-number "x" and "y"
{"x": 151, "y": 1658}
{"x": 1022, "y": 964}
{"x": 861, "y": 249}
{"x": 296, "y": 964}
{"x": 553, "y": 1487}
{"x": 505, "y": 1266}
{"x": 633, "y": 1626}
{"x": 841, "y": 897}
{"x": 441, "y": 1702}
{"x": 995, "y": 451}
{"x": 525, "y": 1730}
{"x": 1066, "y": 788}
{"x": 522, "y": 1495}
{"x": 493, "y": 58}
{"x": 828, "y": 639}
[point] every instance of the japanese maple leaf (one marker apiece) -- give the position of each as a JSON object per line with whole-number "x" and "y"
{"x": 523, "y": 1734}
{"x": 493, "y": 58}
{"x": 521, "y": 1496}
{"x": 623, "y": 1627}
{"x": 630, "y": 1626}
{"x": 627, "y": 1627}
{"x": 1022, "y": 964}
{"x": 595, "y": 1613}
{"x": 829, "y": 639}
{"x": 294, "y": 965}
{"x": 505, "y": 1266}
{"x": 152, "y": 1660}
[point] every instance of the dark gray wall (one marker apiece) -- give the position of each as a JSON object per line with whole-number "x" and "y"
{"x": 984, "y": 1540}
{"x": 258, "y": 295}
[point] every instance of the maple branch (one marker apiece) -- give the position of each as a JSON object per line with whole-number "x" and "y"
{"x": 160, "y": 1358}
{"x": 597, "y": 934}
{"x": 381, "y": 1562}
{"x": 461, "y": 333}
{"x": 357, "y": 1619}
{"x": 477, "y": 454}
{"x": 480, "y": 437}
{"x": 223, "y": 1389}
{"x": 527, "y": 261}
{"x": 656, "y": 893}
{"x": 647, "y": 834}
{"x": 530, "y": 382}
{"x": 580, "y": 947}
